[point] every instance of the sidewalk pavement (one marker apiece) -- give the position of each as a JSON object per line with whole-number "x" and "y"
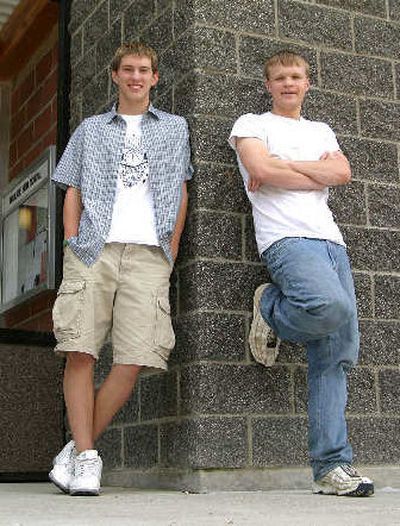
{"x": 41, "y": 504}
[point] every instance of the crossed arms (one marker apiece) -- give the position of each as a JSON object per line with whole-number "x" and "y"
{"x": 332, "y": 169}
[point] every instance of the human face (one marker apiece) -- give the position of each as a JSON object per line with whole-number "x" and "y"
{"x": 134, "y": 79}
{"x": 288, "y": 86}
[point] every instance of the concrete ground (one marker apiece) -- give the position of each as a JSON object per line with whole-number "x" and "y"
{"x": 41, "y": 504}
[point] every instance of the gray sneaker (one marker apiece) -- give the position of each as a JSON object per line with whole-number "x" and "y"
{"x": 264, "y": 344}
{"x": 344, "y": 480}
{"x": 63, "y": 467}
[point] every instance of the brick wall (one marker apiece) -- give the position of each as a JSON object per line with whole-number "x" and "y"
{"x": 216, "y": 408}
{"x": 34, "y": 108}
{"x": 33, "y": 129}
{"x": 31, "y": 401}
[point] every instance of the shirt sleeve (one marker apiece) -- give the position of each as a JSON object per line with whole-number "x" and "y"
{"x": 245, "y": 126}
{"x": 187, "y": 155}
{"x": 331, "y": 143}
{"x": 69, "y": 168}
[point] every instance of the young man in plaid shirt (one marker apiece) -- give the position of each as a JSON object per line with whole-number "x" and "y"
{"x": 125, "y": 176}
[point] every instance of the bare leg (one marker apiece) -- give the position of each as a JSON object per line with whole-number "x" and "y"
{"x": 79, "y": 398}
{"x": 112, "y": 395}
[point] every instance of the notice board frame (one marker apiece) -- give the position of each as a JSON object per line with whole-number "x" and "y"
{"x": 34, "y": 178}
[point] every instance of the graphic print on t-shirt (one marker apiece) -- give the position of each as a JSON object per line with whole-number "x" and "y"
{"x": 134, "y": 163}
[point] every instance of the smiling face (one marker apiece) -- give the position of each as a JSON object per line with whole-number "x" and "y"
{"x": 288, "y": 86}
{"x": 134, "y": 78}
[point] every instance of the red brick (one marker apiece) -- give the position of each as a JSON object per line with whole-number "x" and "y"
{"x": 43, "y": 302}
{"x": 17, "y": 315}
{"x": 30, "y": 325}
{"x": 43, "y": 94}
{"x": 44, "y": 67}
{"x": 11, "y": 174}
{"x": 32, "y": 154}
{"x": 34, "y": 105}
{"x": 50, "y": 138}
{"x": 42, "y": 123}
{"x": 25, "y": 139}
{"x": 18, "y": 122}
{"x": 13, "y": 153}
{"x": 27, "y": 87}
{"x": 41, "y": 97}
{"x": 16, "y": 170}
{"x": 33, "y": 315}
{"x": 54, "y": 109}
{"x": 15, "y": 101}
{"x": 45, "y": 322}
{"x": 49, "y": 88}
{"x": 54, "y": 52}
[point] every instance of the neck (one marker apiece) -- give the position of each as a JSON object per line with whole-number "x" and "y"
{"x": 133, "y": 108}
{"x": 288, "y": 113}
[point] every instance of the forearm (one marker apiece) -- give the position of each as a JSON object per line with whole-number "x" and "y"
{"x": 263, "y": 169}
{"x": 72, "y": 212}
{"x": 328, "y": 172}
{"x": 280, "y": 174}
{"x": 180, "y": 222}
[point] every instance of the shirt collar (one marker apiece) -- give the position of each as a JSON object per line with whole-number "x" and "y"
{"x": 154, "y": 112}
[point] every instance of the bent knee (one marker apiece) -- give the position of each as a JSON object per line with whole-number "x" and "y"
{"x": 127, "y": 372}
{"x": 328, "y": 313}
{"x": 332, "y": 313}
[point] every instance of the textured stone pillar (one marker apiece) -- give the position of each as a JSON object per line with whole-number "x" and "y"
{"x": 216, "y": 419}
{"x": 32, "y": 412}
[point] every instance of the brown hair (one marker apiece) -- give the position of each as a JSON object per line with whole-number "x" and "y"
{"x": 135, "y": 48}
{"x": 285, "y": 58}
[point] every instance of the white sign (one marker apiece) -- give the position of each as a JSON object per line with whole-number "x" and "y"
{"x": 18, "y": 194}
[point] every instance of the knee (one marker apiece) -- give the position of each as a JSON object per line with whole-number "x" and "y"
{"x": 127, "y": 373}
{"x": 333, "y": 312}
{"x": 79, "y": 360}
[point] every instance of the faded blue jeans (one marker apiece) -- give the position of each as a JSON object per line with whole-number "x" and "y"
{"x": 312, "y": 301}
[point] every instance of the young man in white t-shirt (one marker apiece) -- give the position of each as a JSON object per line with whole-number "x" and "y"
{"x": 288, "y": 164}
{"x": 125, "y": 174}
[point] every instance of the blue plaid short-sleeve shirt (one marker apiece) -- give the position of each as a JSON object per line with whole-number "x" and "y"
{"x": 90, "y": 163}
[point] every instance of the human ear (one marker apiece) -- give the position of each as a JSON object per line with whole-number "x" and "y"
{"x": 114, "y": 76}
{"x": 156, "y": 78}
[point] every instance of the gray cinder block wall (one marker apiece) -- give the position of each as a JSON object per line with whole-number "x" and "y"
{"x": 216, "y": 419}
{"x": 32, "y": 412}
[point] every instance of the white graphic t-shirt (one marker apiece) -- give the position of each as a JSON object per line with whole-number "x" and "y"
{"x": 133, "y": 219}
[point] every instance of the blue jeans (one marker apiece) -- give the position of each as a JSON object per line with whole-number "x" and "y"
{"x": 312, "y": 301}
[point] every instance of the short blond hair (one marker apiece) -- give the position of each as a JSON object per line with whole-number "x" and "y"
{"x": 285, "y": 58}
{"x": 137, "y": 48}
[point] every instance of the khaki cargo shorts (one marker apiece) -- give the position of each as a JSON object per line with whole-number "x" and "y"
{"x": 125, "y": 293}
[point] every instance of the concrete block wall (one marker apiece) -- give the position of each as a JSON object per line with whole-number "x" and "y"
{"x": 216, "y": 411}
{"x": 32, "y": 410}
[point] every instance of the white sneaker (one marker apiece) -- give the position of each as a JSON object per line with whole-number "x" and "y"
{"x": 86, "y": 480}
{"x": 264, "y": 344}
{"x": 344, "y": 480}
{"x": 63, "y": 467}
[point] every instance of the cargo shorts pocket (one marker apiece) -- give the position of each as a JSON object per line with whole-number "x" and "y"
{"x": 164, "y": 334}
{"x": 68, "y": 309}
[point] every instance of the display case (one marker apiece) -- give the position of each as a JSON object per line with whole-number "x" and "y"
{"x": 28, "y": 233}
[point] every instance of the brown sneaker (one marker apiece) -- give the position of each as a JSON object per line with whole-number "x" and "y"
{"x": 264, "y": 344}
